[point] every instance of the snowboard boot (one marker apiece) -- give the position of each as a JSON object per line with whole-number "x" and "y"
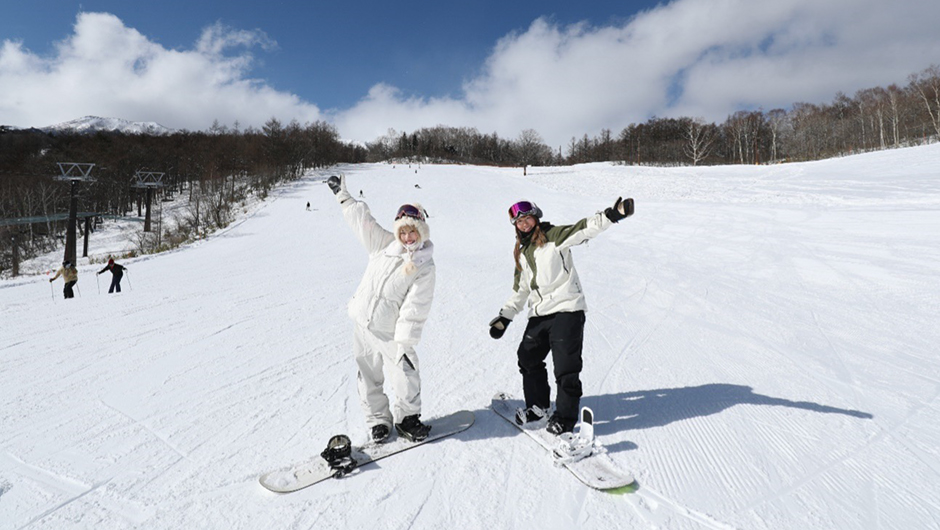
{"x": 533, "y": 415}
{"x": 558, "y": 425}
{"x": 380, "y": 433}
{"x": 412, "y": 428}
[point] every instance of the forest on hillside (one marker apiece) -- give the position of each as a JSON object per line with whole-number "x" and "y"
{"x": 215, "y": 169}
{"x": 874, "y": 118}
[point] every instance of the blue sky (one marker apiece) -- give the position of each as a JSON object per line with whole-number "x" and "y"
{"x": 562, "y": 68}
{"x": 329, "y": 53}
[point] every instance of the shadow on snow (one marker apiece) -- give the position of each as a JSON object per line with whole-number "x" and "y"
{"x": 645, "y": 409}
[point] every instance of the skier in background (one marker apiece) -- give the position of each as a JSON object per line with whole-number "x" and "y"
{"x": 69, "y": 275}
{"x": 545, "y": 277}
{"x": 117, "y": 272}
{"x": 389, "y": 309}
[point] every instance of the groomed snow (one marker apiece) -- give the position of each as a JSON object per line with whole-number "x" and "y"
{"x": 761, "y": 350}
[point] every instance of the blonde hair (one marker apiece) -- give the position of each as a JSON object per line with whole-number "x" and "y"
{"x": 538, "y": 238}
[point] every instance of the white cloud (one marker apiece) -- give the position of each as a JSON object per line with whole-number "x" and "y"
{"x": 105, "y": 68}
{"x": 697, "y": 58}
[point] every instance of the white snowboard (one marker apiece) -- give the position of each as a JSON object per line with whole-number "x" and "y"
{"x": 598, "y": 470}
{"x": 316, "y": 470}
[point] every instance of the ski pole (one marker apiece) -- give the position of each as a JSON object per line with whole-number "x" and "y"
{"x": 129, "y": 284}
{"x": 52, "y": 290}
{"x": 79, "y": 290}
{"x": 97, "y": 281}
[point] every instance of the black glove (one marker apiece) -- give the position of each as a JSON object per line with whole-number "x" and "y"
{"x": 620, "y": 210}
{"x": 498, "y": 326}
{"x": 334, "y": 184}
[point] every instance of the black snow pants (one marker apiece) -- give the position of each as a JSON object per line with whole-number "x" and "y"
{"x": 563, "y": 335}
{"x": 69, "y": 293}
{"x": 115, "y": 283}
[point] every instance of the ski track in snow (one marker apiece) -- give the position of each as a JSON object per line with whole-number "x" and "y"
{"x": 760, "y": 350}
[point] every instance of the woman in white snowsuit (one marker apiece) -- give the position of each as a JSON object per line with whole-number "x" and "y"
{"x": 390, "y": 307}
{"x": 545, "y": 277}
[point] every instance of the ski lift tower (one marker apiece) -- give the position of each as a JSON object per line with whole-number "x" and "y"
{"x": 73, "y": 172}
{"x": 148, "y": 180}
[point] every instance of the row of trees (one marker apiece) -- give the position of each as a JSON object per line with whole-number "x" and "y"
{"x": 875, "y": 118}
{"x": 213, "y": 169}
{"x": 220, "y": 166}
{"x": 464, "y": 145}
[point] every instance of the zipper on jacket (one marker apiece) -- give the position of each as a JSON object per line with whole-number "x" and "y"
{"x": 535, "y": 306}
{"x": 564, "y": 264}
{"x": 378, "y": 293}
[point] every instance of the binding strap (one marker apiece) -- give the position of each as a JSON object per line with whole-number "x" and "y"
{"x": 570, "y": 448}
{"x": 338, "y": 454}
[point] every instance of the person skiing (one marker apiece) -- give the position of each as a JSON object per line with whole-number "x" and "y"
{"x": 545, "y": 277}
{"x": 117, "y": 272}
{"x": 390, "y": 308}
{"x": 69, "y": 275}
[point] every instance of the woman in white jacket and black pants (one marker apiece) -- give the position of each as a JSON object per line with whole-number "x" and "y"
{"x": 390, "y": 308}
{"x": 545, "y": 277}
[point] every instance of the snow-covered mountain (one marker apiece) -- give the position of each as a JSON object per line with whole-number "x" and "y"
{"x": 91, "y": 124}
{"x": 761, "y": 351}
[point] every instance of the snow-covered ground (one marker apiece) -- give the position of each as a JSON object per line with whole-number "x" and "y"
{"x": 761, "y": 350}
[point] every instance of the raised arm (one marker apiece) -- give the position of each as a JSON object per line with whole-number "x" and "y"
{"x": 358, "y": 216}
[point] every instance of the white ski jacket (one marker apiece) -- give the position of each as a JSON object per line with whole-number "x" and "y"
{"x": 548, "y": 280}
{"x": 390, "y": 303}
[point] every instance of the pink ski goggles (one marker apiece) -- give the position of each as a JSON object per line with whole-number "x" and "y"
{"x": 522, "y": 209}
{"x": 408, "y": 210}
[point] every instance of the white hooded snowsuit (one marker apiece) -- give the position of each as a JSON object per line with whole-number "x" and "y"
{"x": 390, "y": 307}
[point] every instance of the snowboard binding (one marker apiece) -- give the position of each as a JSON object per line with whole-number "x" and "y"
{"x": 338, "y": 454}
{"x": 571, "y": 448}
{"x": 574, "y": 446}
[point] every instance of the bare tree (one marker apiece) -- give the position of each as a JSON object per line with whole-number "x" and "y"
{"x": 895, "y": 97}
{"x": 531, "y": 149}
{"x": 927, "y": 85}
{"x": 777, "y": 122}
{"x": 872, "y": 104}
{"x": 700, "y": 139}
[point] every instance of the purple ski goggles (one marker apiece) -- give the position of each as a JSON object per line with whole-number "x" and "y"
{"x": 522, "y": 209}
{"x": 408, "y": 210}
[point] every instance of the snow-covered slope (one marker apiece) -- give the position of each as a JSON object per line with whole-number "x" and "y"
{"x": 760, "y": 349}
{"x": 90, "y": 124}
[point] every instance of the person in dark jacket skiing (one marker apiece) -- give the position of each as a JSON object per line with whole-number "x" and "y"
{"x": 70, "y": 275}
{"x": 545, "y": 277}
{"x": 117, "y": 272}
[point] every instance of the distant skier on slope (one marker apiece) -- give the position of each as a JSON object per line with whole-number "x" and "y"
{"x": 390, "y": 307}
{"x": 117, "y": 272}
{"x": 69, "y": 275}
{"x": 545, "y": 277}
